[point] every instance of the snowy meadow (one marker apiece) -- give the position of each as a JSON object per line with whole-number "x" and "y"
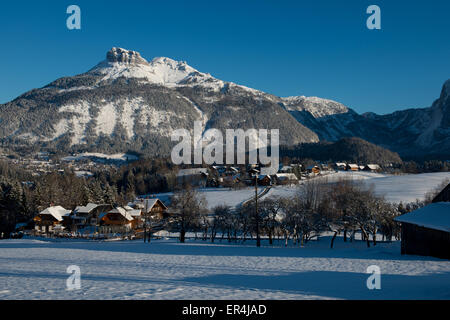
{"x": 166, "y": 269}
{"x": 36, "y": 268}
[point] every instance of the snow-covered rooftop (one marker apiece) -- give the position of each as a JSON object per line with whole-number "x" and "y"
{"x": 290, "y": 176}
{"x": 57, "y": 212}
{"x": 433, "y": 216}
{"x": 193, "y": 171}
{"x": 123, "y": 212}
{"x": 86, "y": 209}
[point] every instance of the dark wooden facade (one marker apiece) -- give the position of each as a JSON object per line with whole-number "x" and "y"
{"x": 83, "y": 219}
{"x": 158, "y": 210}
{"x": 443, "y": 196}
{"x": 264, "y": 180}
{"x": 423, "y": 241}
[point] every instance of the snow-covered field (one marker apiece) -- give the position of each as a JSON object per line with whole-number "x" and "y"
{"x": 395, "y": 188}
{"x": 218, "y": 196}
{"x": 117, "y": 156}
{"x": 165, "y": 269}
{"x": 225, "y": 196}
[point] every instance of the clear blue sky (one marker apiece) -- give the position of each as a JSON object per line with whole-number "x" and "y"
{"x": 312, "y": 48}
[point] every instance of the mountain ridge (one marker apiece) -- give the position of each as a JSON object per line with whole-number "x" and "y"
{"x": 127, "y": 102}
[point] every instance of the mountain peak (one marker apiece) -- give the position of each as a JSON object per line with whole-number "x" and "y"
{"x": 446, "y": 88}
{"x": 161, "y": 70}
{"x": 121, "y": 55}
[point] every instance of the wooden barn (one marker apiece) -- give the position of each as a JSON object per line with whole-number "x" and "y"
{"x": 426, "y": 231}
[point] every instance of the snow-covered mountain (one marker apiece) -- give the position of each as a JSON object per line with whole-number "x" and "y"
{"x": 162, "y": 71}
{"x": 128, "y": 103}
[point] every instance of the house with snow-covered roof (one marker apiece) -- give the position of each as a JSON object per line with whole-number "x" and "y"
{"x": 352, "y": 167}
{"x": 372, "y": 167}
{"x": 116, "y": 220}
{"x": 264, "y": 180}
{"x": 154, "y": 207}
{"x": 426, "y": 231}
{"x": 286, "y": 178}
{"x": 313, "y": 169}
{"x": 88, "y": 215}
{"x": 340, "y": 165}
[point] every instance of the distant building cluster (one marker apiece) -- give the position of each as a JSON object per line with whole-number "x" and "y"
{"x": 227, "y": 176}
{"x": 99, "y": 218}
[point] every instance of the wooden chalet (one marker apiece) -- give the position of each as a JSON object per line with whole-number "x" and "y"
{"x": 154, "y": 207}
{"x": 264, "y": 180}
{"x": 352, "y": 167}
{"x": 136, "y": 213}
{"x": 230, "y": 180}
{"x": 313, "y": 169}
{"x": 340, "y": 166}
{"x": 286, "y": 178}
{"x": 426, "y": 231}
{"x": 88, "y": 215}
{"x": 372, "y": 167}
{"x": 116, "y": 220}
{"x": 52, "y": 220}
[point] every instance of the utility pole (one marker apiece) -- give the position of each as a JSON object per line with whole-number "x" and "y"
{"x": 145, "y": 219}
{"x": 149, "y": 217}
{"x": 258, "y": 239}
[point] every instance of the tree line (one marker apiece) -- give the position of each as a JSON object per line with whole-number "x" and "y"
{"x": 344, "y": 207}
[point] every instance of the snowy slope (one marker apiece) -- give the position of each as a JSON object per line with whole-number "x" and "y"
{"x": 166, "y": 269}
{"x": 394, "y": 188}
{"x": 218, "y": 196}
{"x": 317, "y": 107}
{"x": 90, "y": 155}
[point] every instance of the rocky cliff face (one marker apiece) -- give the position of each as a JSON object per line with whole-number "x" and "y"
{"x": 119, "y": 55}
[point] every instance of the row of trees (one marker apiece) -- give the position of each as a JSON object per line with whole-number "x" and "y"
{"x": 345, "y": 207}
{"x": 426, "y": 166}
